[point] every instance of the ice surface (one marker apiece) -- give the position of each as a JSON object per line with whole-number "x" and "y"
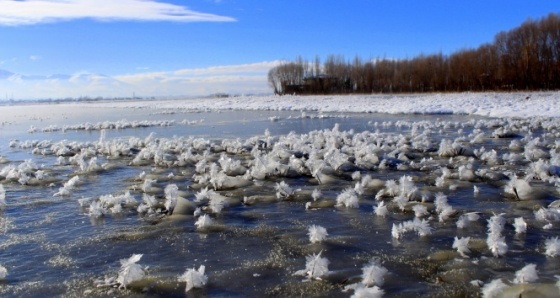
{"x": 544, "y": 104}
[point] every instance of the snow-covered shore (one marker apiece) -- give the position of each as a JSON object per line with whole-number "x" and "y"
{"x": 517, "y": 104}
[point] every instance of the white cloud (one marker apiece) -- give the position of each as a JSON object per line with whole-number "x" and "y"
{"x": 142, "y": 77}
{"x": 235, "y": 79}
{"x": 231, "y": 79}
{"x": 34, "y": 57}
{"x": 229, "y": 69}
{"x": 28, "y": 12}
{"x": 242, "y": 70}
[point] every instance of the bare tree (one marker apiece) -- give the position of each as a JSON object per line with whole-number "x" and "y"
{"x": 525, "y": 58}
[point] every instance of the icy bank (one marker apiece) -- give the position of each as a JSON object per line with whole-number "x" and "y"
{"x": 517, "y": 104}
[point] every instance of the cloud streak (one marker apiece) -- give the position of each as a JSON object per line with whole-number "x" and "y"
{"x": 232, "y": 79}
{"x": 259, "y": 69}
{"x": 30, "y": 12}
{"x": 236, "y": 79}
{"x": 229, "y": 69}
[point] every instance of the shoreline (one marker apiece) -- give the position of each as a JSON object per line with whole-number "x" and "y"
{"x": 487, "y": 104}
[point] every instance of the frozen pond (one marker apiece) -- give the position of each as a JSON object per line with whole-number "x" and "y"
{"x": 147, "y": 177}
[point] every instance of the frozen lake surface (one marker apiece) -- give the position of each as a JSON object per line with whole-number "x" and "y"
{"x": 148, "y": 173}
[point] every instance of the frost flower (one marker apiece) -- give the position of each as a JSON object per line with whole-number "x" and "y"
{"x": 373, "y": 273}
{"x": 204, "y": 221}
{"x": 552, "y": 246}
{"x": 194, "y": 278}
{"x": 283, "y": 191}
{"x": 467, "y": 218}
{"x": 3, "y": 272}
{"x": 67, "y": 187}
{"x": 361, "y": 292}
{"x": 348, "y": 198}
{"x": 380, "y": 209}
{"x": 316, "y": 194}
{"x": 171, "y": 195}
{"x": 420, "y": 226}
{"x": 494, "y": 288}
{"x": 462, "y": 246}
{"x": 317, "y": 233}
{"x": 315, "y": 267}
{"x": 520, "y": 225}
{"x": 420, "y": 210}
{"x": 495, "y": 241}
{"x": 130, "y": 271}
{"x": 526, "y": 274}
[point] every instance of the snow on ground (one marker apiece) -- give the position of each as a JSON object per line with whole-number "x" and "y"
{"x": 517, "y": 104}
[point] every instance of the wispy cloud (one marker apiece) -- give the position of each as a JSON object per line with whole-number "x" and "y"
{"x": 243, "y": 78}
{"x": 240, "y": 70}
{"x": 229, "y": 69}
{"x": 231, "y": 79}
{"x": 28, "y": 12}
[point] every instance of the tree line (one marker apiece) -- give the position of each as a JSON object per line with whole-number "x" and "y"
{"x": 525, "y": 58}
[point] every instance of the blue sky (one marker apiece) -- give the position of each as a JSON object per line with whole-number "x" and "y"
{"x": 167, "y": 48}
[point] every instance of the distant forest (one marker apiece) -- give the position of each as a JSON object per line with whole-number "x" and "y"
{"x": 525, "y": 58}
